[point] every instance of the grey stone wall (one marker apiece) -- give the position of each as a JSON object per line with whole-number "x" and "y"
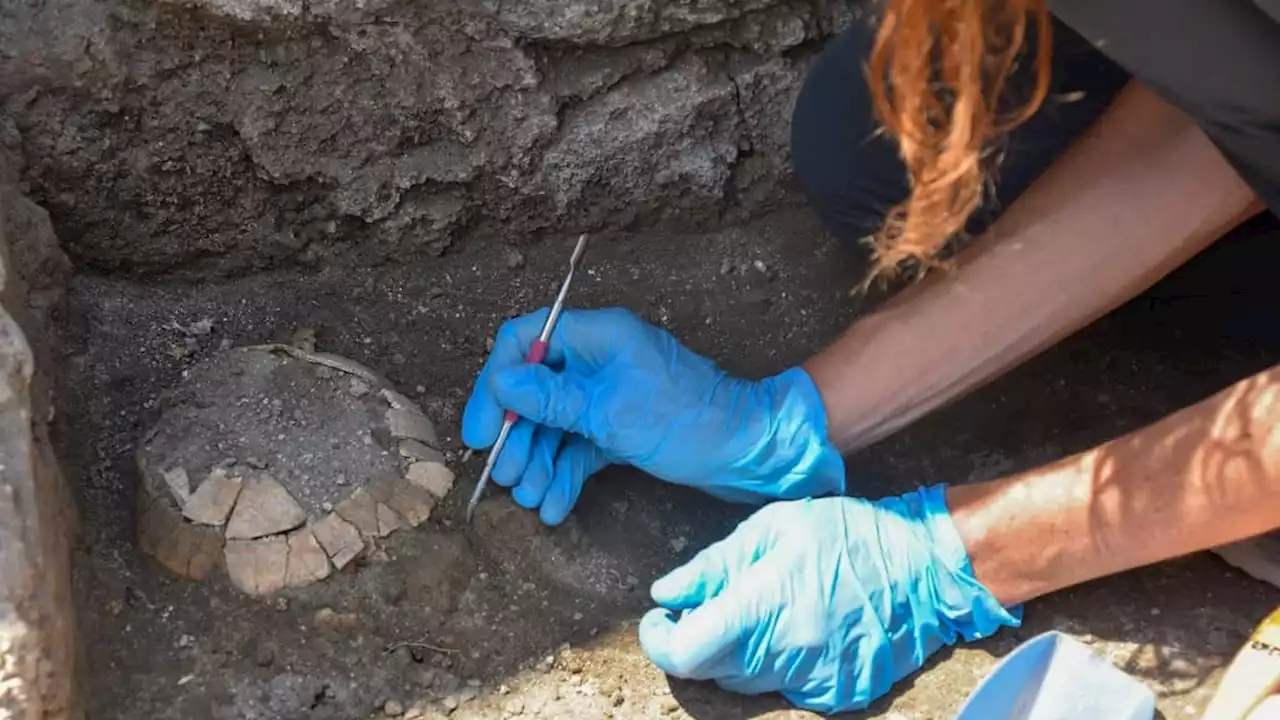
{"x": 228, "y": 135}
{"x": 39, "y": 648}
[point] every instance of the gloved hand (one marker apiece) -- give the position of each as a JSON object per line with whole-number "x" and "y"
{"x": 616, "y": 389}
{"x": 828, "y": 601}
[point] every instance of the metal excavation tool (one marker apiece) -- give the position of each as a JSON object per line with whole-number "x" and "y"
{"x": 537, "y": 353}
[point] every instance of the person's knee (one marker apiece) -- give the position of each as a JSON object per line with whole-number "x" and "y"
{"x": 850, "y": 174}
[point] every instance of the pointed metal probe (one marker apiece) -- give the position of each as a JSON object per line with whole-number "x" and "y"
{"x": 537, "y": 353}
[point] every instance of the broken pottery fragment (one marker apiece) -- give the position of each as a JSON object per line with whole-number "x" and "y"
{"x": 398, "y": 400}
{"x": 339, "y": 538}
{"x": 178, "y": 483}
{"x": 351, "y": 461}
{"x": 388, "y": 520}
{"x": 411, "y": 424}
{"x": 212, "y": 502}
{"x": 361, "y": 510}
{"x": 433, "y": 477}
{"x": 307, "y": 562}
{"x": 257, "y": 567}
{"x": 264, "y": 508}
{"x": 414, "y": 450}
{"x": 409, "y": 501}
{"x": 189, "y": 550}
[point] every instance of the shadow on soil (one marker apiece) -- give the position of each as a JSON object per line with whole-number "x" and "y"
{"x": 493, "y": 603}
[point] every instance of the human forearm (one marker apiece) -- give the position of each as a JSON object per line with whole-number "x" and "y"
{"x": 1141, "y": 194}
{"x": 1205, "y": 476}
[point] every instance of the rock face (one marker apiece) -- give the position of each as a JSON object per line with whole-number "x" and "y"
{"x": 233, "y": 134}
{"x": 39, "y": 651}
{"x": 281, "y": 466}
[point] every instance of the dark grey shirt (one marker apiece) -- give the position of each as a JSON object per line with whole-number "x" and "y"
{"x": 1217, "y": 60}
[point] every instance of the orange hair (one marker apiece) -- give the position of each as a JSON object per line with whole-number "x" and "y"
{"x": 937, "y": 73}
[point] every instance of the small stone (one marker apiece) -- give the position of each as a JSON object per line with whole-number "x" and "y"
{"x": 414, "y": 450}
{"x": 405, "y": 423}
{"x": 760, "y": 266}
{"x": 515, "y": 259}
{"x": 617, "y": 698}
{"x": 467, "y": 694}
{"x": 669, "y": 705}
{"x": 504, "y": 690}
{"x": 577, "y": 616}
{"x": 304, "y": 339}
{"x": 679, "y": 544}
{"x": 447, "y": 682}
{"x": 339, "y": 538}
{"x": 256, "y": 463}
{"x": 393, "y": 708}
{"x": 433, "y": 477}
{"x": 473, "y": 682}
{"x": 212, "y": 502}
{"x": 328, "y": 619}
{"x": 450, "y": 702}
{"x": 631, "y": 581}
{"x": 514, "y": 706}
{"x": 358, "y": 387}
{"x": 265, "y": 508}
{"x": 257, "y": 567}
{"x": 546, "y": 663}
{"x": 726, "y": 266}
{"x": 307, "y": 561}
{"x": 179, "y": 484}
{"x": 264, "y": 655}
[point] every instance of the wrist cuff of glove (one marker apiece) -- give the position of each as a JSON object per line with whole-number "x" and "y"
{"x": 971, "y": 610}
{"x": 795, "y": 451}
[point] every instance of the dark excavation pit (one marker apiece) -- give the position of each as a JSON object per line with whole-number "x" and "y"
{"x": 509, "y": 618}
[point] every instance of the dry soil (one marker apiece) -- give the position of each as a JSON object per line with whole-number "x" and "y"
{"x": 509, "y": 618}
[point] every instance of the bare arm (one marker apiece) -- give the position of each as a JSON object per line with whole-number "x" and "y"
{"x": 1138, "y": 196}
{"x": 1205, "y": 476}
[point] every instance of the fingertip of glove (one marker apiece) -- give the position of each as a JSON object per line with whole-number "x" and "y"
{"x": 478, "y": 426}
{"x": 677, "y": 590}
{"x": 655, "y": 638}
{"x": 526, "y": 496}
{"x": 552, "y": 515}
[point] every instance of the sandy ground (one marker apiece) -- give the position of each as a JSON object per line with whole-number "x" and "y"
{"x": 511, "y": 619}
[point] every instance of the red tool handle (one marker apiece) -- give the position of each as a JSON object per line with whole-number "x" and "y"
{"x": 537, "y": 353}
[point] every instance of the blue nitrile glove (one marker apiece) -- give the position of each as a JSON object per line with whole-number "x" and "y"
{"x": 828, "y": 601}
{"x": 616, "y": 389}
